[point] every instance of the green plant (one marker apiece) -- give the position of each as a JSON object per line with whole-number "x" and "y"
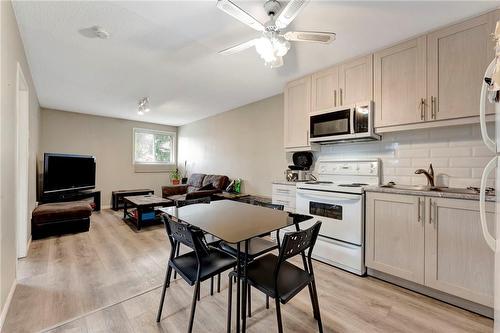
{"x": 175, "y": 174}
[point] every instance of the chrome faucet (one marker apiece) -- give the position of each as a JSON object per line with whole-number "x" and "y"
{"x": 429, "y": 174}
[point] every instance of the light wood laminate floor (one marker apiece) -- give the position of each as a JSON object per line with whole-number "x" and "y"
{"x": 108, "y": 280}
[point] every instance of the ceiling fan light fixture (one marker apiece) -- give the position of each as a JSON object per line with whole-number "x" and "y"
{"x": 271, "y": 49}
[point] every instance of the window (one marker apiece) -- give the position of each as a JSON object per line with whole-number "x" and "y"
{"x": 154, "y": 147}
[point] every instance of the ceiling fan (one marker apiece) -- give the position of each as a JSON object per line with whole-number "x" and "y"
{"x": 274, "y": 43}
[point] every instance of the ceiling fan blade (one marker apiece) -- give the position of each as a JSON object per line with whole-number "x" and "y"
{"x": 230, "y": 8}
{"x": 291, "y": 10}
{"x": 310, "y": 36}
{"x": 238, "y": 48}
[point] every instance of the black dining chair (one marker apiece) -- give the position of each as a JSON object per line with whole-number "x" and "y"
{"x": 279, "y": 279}
{"x": 211, "y": 240}
{"x": 256, "y": 247}
{"x": 200, "y": 264}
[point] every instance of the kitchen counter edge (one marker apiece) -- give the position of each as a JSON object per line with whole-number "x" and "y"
{"x": 435, "y": 194}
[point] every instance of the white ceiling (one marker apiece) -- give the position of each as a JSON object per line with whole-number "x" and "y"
{"x": 168, "y": 51}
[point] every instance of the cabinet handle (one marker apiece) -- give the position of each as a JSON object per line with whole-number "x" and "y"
{"x": 422, "y": 109}
{"x": 435, "y": 214}
{"x": 340, "y": 97}
{"x": 418, "y": 214}
{"x": 430, "y": 211}
{"x": 335, "y": 97}
{"x": 433, "y": 107}
{"x": 307, "y": 137}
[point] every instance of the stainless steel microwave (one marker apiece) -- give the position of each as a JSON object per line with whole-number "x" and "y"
{"x": 346, "y": 123}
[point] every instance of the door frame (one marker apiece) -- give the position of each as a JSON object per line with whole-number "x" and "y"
{"x": 22, "y": 162}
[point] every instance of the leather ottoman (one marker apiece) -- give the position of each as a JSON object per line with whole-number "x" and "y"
{"x": 60, "y": 218}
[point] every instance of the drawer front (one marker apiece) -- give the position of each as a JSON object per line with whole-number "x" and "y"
{"x": 288, "y": 202}
{"x": 284, "y": 190}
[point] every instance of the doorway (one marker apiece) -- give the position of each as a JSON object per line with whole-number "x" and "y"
{"x": 22, "y": 160}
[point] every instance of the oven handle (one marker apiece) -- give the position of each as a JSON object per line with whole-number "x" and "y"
{"x": 328, "y": 195}
{"x": 351, "y": 120}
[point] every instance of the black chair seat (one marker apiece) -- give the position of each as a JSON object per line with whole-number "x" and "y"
{"x": 256, "y": 247}
{"x": 291, "y": 279}
{"x": 212, "y": 264}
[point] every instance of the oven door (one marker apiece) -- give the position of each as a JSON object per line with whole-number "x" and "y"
{"x": 341, "y": 214}
{"x": 333, "y": 124}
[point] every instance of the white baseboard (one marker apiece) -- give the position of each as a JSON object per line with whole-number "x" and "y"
{"x": 105, "y": 207}
{"x": 6, "y": 306}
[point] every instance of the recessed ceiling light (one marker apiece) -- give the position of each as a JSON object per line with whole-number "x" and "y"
{"x": 143, "y": 105}
{"x": 100, "y": 32}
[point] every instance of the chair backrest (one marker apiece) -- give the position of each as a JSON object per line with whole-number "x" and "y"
{"x": 268, "y": 205}
{"x": 185, "y": 234}
{"x": 298, "y": 242}
{"x": 182, "y": 203}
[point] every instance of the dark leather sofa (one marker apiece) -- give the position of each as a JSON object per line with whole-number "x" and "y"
{"x": 198, "y": 185}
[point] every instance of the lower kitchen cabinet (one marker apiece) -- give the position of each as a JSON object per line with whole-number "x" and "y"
{"x": 435, "y": 242}
{"x": 395, "y": 235}
{"x": 284, "y": 195}
{"x": 457, "y": 259}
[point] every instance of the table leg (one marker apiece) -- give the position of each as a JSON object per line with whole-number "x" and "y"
{"x": 244, "y": 289}
{"x": 238, "y": 273}
{"x": 139, "y": 218}
{"x": 124, "y": 209}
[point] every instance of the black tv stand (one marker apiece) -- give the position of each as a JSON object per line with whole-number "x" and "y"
{"x": 74, "y": 196}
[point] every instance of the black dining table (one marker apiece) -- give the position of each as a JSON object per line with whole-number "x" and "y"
{"x": 236, "y": 223}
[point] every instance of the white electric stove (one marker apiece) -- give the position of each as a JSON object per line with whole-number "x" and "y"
{"x": 337, "y": 200}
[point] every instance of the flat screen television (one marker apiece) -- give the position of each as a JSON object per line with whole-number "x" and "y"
{"x": 65, "y": 173}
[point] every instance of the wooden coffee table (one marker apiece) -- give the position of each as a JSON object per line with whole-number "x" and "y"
{"x": 142, "y": 203}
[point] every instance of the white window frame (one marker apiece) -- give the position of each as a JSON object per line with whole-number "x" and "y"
{"x": 154, "y": 166}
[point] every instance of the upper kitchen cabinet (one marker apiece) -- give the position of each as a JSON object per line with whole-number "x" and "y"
{"x": 297, "y": 107}
{"x": 400, "y": 83}
{"x": 325, "y": 89}
{"x": 343, "y": 84}
{"x": 356, "y": 81}
{"x": 457, "y": 59}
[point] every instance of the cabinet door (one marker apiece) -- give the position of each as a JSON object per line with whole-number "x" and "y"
{"x": 457, "y": 259}
{"x": 395, "y": 235}
{"x": 325, "y": 89}
{"x": 400, "y": 83}
{"x": 356, "y": 81}
{"x": 457, "y": 59}
{"x": 297, "y": 106}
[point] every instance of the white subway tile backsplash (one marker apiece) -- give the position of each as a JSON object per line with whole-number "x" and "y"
{"x": 398, "y": 162}
{"x": 413, "y": 153}
{"x": 469, "y": 162}
{"x": 437, "y": 162}
{"x": 451, "y": 151}
{"x": 455, "y": 172}
{"x": 481, "y": 152}
{"x": 457, "y": 154}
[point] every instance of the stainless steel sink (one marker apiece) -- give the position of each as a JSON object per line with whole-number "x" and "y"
{"x": 411, "y": 187}
{"x": 431, "y": 188}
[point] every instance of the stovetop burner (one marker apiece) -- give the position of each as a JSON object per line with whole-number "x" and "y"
{"x": 353, "y": 185}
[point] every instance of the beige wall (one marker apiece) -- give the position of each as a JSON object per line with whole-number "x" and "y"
{"x": 109, "y": 140}
{"x": 246, "y": 142}
{"x": 12, "y": 52}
